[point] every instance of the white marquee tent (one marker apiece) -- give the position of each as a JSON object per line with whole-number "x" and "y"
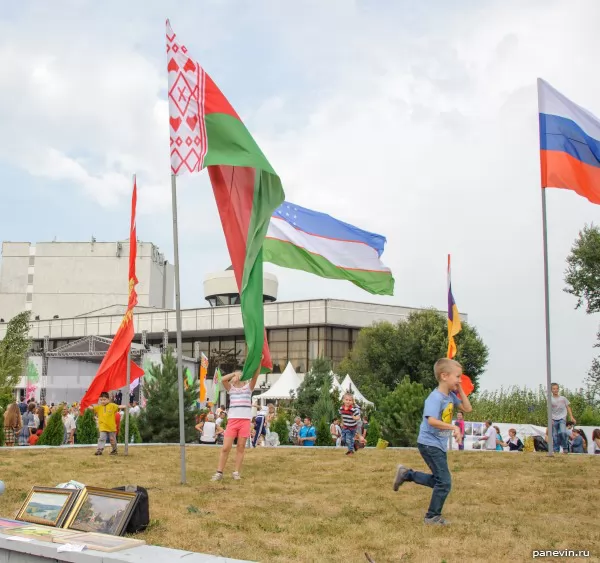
{"x": 281, "y": 389}
{"x": 347, "y": 385}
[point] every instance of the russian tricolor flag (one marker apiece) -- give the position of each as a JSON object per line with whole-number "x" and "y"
{"x": 569, "y": 144}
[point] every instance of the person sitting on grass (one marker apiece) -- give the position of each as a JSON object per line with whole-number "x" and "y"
{"x": 514, "y": 443}
{"x": 308, "y": 434}
{"x": 578, "y": 445}
{"x": 432, "y": 442}
{"x": 238, "y": 422}
{"x": 208, "y": 429}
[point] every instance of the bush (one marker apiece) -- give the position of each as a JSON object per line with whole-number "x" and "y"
{"x": 323, "y": 435}
{"x": 134, "y": 432}
{"x": 280, "y": 427}
{"x": 54, "y": 433}
{"x": 1, "y": 426}
{"x": 87, "y": 429}
{"x": 373, "y": 432}
{"x": 401, "y": 413}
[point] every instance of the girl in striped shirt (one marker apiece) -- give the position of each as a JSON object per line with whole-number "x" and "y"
{"x": 238, "y": 420}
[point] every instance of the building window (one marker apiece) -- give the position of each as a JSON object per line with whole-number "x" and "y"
{"x": 29, "y": 279}
{"x": 29, "y": 297}
{"x": 31, "y": 260}
{"x": 278, "y": 335}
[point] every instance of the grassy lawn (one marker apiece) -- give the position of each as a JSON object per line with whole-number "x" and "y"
{"x": 317, "y": 505}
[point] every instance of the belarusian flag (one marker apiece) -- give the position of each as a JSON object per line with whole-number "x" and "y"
{"x": 207, "y": 132}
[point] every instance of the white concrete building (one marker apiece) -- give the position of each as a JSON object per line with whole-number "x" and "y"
{"x": 67, "y": 279}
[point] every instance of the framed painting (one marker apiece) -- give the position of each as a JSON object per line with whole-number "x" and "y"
{"x": 101, "y": 542}
{"x": 47, "y": 506}
{"x": 104, "y": 511}
{"x": 42, "y": 533}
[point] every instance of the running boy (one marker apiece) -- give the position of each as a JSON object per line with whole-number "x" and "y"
{"x": 238, "y": 422}
{"x": 434, "y": 433}
{"x": 350, "y": 414}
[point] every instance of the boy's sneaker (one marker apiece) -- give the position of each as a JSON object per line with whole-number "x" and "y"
{"x": 436, "y": 521}
{"x": 400, "y": 476}
{"x": 236, "y": 476}
{"x": 113, "y": 452}
{"x": 99, "y": 452}
{"x": 349, "y": 453}
{"x": 217, "y": 477}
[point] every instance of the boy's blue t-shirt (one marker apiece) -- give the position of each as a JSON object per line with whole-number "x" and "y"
{"x": 442, "y": 407}
{"x": 308, "y": 432}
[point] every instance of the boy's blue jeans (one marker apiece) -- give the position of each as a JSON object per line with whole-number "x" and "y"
{"x": 559, "y": 435}
{"x": 348, "y": 438}
{"x": 439, "y": 479}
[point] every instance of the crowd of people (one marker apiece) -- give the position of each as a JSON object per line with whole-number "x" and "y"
{"x": 25, "y": 421}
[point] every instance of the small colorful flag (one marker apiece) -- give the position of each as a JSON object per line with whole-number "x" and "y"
{"x": 454, "y": 326}
{"x": 569, "y": 144}
{"x": 202, "y": 378}
{"x": 217, "y": 383}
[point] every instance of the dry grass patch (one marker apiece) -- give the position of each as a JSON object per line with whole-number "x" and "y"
{"x": 312, "y": 505}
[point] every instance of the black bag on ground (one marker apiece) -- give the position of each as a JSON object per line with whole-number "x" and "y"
{"x": 539, "y": 444}
{"x": 140, "y": 517}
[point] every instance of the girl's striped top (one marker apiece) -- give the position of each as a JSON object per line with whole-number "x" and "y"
{"x": 240, "y": 402}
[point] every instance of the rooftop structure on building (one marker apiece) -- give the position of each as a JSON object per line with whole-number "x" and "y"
{"x": 68, "y": 279}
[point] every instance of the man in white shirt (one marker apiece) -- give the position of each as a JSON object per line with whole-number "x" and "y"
{"x": 70, "y": 426}
{"x": 489, "y": 436}
{"x": 135, "y": 409}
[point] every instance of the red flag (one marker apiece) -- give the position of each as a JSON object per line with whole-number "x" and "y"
{"x": 112, "y": 373}
{"x": 466, "y": 384}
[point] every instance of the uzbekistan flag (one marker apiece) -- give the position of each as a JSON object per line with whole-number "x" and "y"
{"x": 454, "y": 326}
{"x": 315, "y": 242}
{"x": 569, "y": 144}
{"x": 206, "y": 132}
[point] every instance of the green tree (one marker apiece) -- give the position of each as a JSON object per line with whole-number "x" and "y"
{"x": 13, "y": 355}
{"x": 582, "y": 275}
{"x": 385, "y": 353}
{"x": 54, "y": 433}
{"x": 159, "y": 421}
{"x": 309, "y": 391}
{"x": 87, "y": 429}
{"x": 373, "y": 432}
{"x": 324, "y": 407}
{"x": 280, "y": 427}
{"x": 401, "y": 413}
{"x": 323, "y": 435}
{"x": 134, "y": 432}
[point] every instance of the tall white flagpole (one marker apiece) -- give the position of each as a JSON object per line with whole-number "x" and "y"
{"x": 547, "y": 308}
{"x": 178, "y": 318}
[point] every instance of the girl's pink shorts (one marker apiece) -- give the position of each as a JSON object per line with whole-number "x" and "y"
{"x": 237, "y": 428}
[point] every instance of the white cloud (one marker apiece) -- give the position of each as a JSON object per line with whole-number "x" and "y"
{"x": 417, "y": 123}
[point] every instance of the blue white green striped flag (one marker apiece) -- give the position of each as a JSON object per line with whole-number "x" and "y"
{"x": 315, "y": 242}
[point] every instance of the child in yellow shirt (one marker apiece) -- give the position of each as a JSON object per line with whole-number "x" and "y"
{"x": 107, "y": 423}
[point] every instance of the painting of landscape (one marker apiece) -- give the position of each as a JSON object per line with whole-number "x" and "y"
{"x": 45, "y": 507}
{"x": 103, "y": 514}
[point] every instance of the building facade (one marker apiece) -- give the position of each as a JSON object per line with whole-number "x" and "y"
{"x": 67, "y": 279}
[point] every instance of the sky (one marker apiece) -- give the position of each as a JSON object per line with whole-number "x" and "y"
{"x": 418, "y": 122}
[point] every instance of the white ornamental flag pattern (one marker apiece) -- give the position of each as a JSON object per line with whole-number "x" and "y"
{"x": 187, "y": 128}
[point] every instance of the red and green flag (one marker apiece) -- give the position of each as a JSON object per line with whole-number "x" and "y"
{"x": 206, "y": 132}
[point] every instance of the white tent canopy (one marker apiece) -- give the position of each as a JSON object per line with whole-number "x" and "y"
{"x": 281, "y": 389}
{"x": 335, "y": 385}
{"x": 348, "y": 386}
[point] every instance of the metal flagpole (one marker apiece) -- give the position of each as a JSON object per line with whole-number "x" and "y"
{"x": 547, "y": 308}
{"x": 127, "y": 402}
{"x": 178, "y": 318}
{"x": 548, "y": 353}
